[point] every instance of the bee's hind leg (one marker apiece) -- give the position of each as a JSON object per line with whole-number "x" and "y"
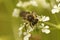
{"x": 31, "y": 25}
{"x": 26, "y": 26}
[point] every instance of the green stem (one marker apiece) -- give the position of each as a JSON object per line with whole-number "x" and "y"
{"x": 57, "y": 21}
{"x": 51, "y": 24}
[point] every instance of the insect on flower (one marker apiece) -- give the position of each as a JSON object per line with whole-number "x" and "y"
{"x": 31, "y": 20}
{"x": 30, "y": 17}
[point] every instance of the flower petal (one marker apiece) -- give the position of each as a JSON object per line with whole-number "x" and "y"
{"x": 46, "y": 27}
{"x": 47, "y": 31}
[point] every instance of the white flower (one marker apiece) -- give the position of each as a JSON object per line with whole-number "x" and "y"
{"x": 44, "y": 18}
{"x": 34, "y": 3}
{"x": 43, "y": 26}
{"x": 16, "y": 12}
{"x": 56, "y": 9}
{"x": 47, "y": 31}
{"x": 27, "y": 36}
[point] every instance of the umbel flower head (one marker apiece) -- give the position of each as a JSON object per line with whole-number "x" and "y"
{"x": 27, "y": 34}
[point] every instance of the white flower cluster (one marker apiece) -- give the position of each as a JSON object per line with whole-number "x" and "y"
{"x": 25, "y": 4}
{"x": 26, "y": 37}
{"x": 20, "y": 29}
{"x": 56, "y": 9}
{"x": 45, "y": 29}
{"x": 43, "y": 18}
{"x": 27, "y": 33}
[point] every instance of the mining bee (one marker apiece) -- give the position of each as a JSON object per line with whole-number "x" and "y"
{"x": 30, "y": 17}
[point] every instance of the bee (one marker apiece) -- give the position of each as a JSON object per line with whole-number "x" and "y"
{"x": 30, "y": 17}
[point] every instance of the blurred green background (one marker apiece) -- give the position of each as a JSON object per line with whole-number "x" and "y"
{"x": 9, "y": 25}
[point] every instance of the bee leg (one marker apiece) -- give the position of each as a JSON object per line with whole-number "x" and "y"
{"x": 31, "y": 25}
{"x": 25, "y": 26}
